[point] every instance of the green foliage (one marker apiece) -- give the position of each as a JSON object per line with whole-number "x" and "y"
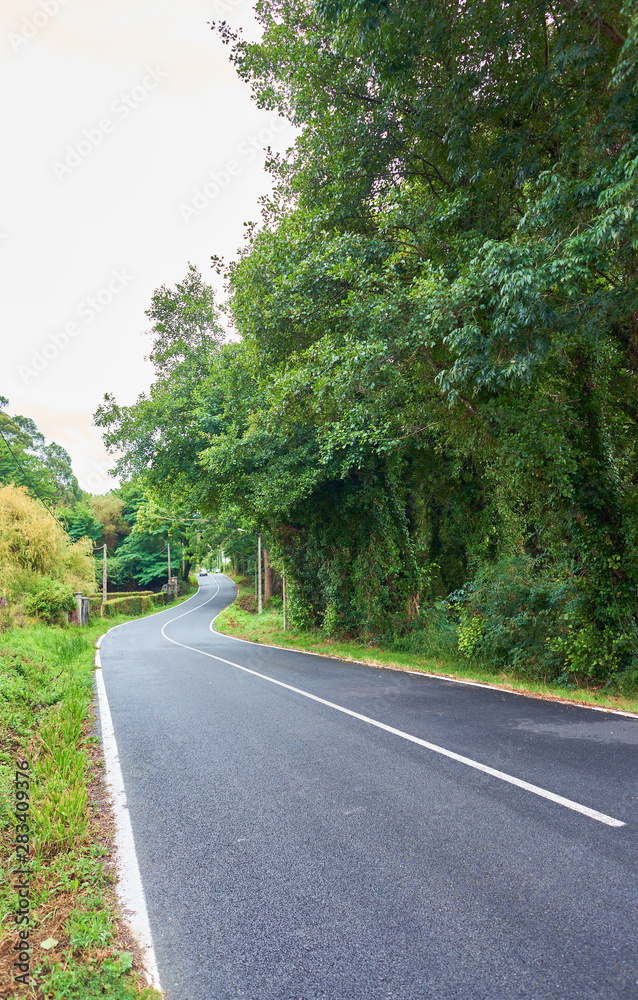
{"x": 137, "y": 605}
{"x": 49, "y": 600}
{"x": 437, "y": 385}
{"x": 513, "y": 616}
{"x": 469, "y": 635}
{"x": 186, "y": 333}
{"x": 88, "y": 928}
{"x": 80, "y": 522}
{"x": 143, "y": 558}
{"x": 27, "y": 461}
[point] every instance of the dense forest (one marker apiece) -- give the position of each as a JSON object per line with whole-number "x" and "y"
{"x": 431, "y": 412}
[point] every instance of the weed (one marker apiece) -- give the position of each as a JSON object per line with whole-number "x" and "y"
{"x": 89, "y": 928}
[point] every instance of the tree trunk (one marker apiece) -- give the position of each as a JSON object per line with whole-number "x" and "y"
{"x": 268, "y": 576}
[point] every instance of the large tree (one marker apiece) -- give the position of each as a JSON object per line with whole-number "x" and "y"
{"x": 437, "y": 378}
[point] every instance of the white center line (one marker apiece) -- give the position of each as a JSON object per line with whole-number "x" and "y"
{"x": 501, "y": 775}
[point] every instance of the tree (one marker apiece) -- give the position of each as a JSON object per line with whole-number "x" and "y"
{"x": 437, "y": 381}
{"x": 162, "y": 434}
{"x": 26, "y": 459}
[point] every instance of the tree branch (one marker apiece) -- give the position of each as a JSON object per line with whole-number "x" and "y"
{"x": 603, "y": 26}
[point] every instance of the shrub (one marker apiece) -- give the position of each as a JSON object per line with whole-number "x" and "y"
{"x": 299, "y": 614}
{"x": 130, "y": 605}
{"x": 49, "y": 601}
{"x": 434, "y": 632}
{"x": 513, "y": 617}
{"x": 33, "y": 546}
{"x": 469, "y": 635}
{"x": 95, "y": 606}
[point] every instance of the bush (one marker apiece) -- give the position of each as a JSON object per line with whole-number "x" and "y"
{"x": 95, "y": 606}
{"x": 434, "y": 632}
{"x": 50, "y": 601}
{"x": 514, "y": 616}
{"x": 299, "y": 614}
{"x": 34, "y": 547}
{"x": 130, "y": 605}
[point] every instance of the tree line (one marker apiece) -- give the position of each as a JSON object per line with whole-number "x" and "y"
{"x": 52, "y": 532}
{"x": 432, "y": 411}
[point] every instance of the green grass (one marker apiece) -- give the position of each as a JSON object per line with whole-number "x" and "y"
{"x": 268, "y": 628}
{"x": 46, "y": 696}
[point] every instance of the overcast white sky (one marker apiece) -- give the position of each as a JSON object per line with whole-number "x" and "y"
{"x": 116, "y": 113}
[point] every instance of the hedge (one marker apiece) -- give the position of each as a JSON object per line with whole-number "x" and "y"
{"x": 130, "y": 605}
{"x": 95, "y": 605}
{"x": 115, "y": 595}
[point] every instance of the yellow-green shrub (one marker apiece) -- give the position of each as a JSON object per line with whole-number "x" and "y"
{"x": 33, "y": 545}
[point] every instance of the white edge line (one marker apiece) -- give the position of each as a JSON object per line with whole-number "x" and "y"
{"x": 468, "y": 761}
{"x": 129, "y": 887}
{"x": 424, "y": 673}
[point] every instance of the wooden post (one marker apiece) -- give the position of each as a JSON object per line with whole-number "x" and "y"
{"x": 104, "y": 585}
{"x": 283, "y": 587}
{"x": 259, "y": 573}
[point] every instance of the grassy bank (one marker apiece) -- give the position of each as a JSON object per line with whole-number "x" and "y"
{"x": 240, "y": 620}
{"x": 75, "y": 946}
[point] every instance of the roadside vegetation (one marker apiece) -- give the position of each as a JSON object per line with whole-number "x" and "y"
{"x": 435, "y": 650}
{"x": 79, "y": 948}
{"x": 434, "y": 401}
{"x": 430, "y": 416}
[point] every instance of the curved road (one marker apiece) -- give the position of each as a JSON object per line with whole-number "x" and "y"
{"x": 295, "y": 843}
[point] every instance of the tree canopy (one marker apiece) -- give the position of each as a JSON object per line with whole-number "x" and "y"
{"x": 435, "y": 393}
{"x": 27, "y": 460}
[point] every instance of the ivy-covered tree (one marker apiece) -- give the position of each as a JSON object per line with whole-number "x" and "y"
{"x": 436, "y": 389}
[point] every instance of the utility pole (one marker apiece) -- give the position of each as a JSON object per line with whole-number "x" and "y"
{"x": 283, "y": 587}
{"x": 259, "y": 573}
{"x": 169, "y": 568}
{"x": 104, "y": 587}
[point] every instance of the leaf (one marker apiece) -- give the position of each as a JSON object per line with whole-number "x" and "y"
{"x": 48, "y": 944}
{"x": 126, "y": 961}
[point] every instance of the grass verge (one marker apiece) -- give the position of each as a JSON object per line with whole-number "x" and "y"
{"x": 267, "y": 628}
{"x": 61, "y": 883}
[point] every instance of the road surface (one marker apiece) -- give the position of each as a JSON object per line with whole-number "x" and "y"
{"x": 292, "y": 848}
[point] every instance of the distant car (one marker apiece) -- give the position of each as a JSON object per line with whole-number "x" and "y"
{"x": 204, "y": 572}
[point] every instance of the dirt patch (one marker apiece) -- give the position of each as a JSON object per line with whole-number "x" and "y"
{"x": 247, "y": 603}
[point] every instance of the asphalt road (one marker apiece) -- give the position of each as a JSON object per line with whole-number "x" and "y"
{"x": 292, "y": 851}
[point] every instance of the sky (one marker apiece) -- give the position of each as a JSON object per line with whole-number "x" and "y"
{"x": 131, "y": 149}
